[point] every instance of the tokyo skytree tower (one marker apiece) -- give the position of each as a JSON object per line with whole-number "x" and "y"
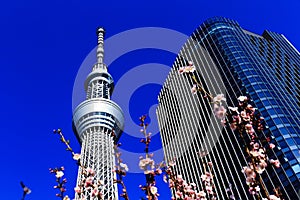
{"x": 98, "y": 123}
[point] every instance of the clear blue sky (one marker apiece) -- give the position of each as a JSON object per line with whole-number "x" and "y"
{"x": 42, "y": 45}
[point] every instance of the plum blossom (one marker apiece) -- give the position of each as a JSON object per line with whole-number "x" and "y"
{"x": 124, "y": 166}
{"x": 242, "y": 98}
{"x": 59, "y": 174}
{"x": 153, "y": 190}
{"x": 194, "y": 89}
{"x": 78, "y": 190}
{"x": 220, "y": 112}
{"x": 272, "y": 146}
{"x": 273, "y": 197}
{"x": 66, "y": 198}
{"x": 276, "y": 163}
{"x": 233, "y": 109}
{"x": 146, "y": 164}
{"x": 219, "y": 98}
{"x": 90, "y": 171}
{"x": 76, "y": 156}
{"x": 187, "y": 69}
{"x": 250, "y": 174}
{"x": 254, "y": 190}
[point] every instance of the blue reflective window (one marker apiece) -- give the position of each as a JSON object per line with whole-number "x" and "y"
{"x": 285, "y": 119}
{"x": 289, "y": 172}
{"x": 277, "y": 120}
{"x": 296, "y": 153}
{"x": 270, "y": 123}
{"x": 283, "y": 144}
{"x": 290, "y": 142}
{"x": 296, "y": 168}
{"x": 293, "y": 178}
{"x": 284, "y": 130}
{"x": 259, "y": 104}
{"x": 290, "y": 156}
{"x": 272, "y": 111}
{"x": 297, "y": 141}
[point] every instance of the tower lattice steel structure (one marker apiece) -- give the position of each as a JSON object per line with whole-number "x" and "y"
{"x": 98, "y": 123}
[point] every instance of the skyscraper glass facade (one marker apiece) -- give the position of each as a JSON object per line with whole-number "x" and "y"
{"x": 229, "y": 58}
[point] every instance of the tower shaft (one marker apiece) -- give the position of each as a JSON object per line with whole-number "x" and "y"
{"x": 98, "y": 123}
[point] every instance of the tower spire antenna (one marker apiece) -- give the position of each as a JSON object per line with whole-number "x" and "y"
{"x": 100, "y": 49}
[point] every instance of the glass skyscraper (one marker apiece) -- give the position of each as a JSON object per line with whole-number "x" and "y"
{"x": 233, "y": 61}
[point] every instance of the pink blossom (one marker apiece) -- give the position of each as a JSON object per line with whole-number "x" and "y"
{"x": 90, "y": 171}
{"x": 242, "y": 98}
{"x": 203, "y": 177}
{"x": 124, "y": 166}
{"x": 254, "y": 153}
{"x": 209, "y": 189}
{"x": 95, "y": 192}
{"x": 181, "y": 70}
{"x": 76, "y": 156}
{"x": 275, "y": 162}
{"x": 220, "y": 112}
{"x": 234, "y": 109}
{"x": 202, "y": 193}
{"x": 252, "y": 190}
{"x": 249, "y": 172}
{"x": 89, "y": 181}
{"x": 249, "y": 180}
{"x": 194, "y": 89}
{"x": 78, "y": 190}
{"x": 260, "y": 168}
{"x": 248, "y": 126}
{"x": 66, "y": 197}
{"x": 273, "y": 197}
{"x": 256, "y": 146}
{"x": 190, "y": 69}
{"x": 257, "y": 188}
{"x": 158, "y": 171}
{"x": 272, "y": 146}
{"x": 59, "y": 174}
{"x": 172, "y": 163}
{"x": 153, "y": 190}
{"x": 165, "y": 179}
{"x": 187, "y": 69}
{"x": 146, "y": 164}
{"x": 219, "y": 98}
{"x": 243, "y": 114}
{"x": 233, "y": 126}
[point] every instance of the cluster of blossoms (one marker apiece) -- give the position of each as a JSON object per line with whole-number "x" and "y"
{"x": 219, "y": 109}
{"x": 247, "y": 122}
{"x": 207, "y": 179}
{"x": 89, "y": 185}
{"x": 60, "y": 182}
{"x": 188, "y": 191}
{"x": 190, "y": 69}
{"x": 120, "y": 169}
{"x": 187, "y": 69}
{"x": 147, "y": 164}
{"x": 229, "y": 191}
